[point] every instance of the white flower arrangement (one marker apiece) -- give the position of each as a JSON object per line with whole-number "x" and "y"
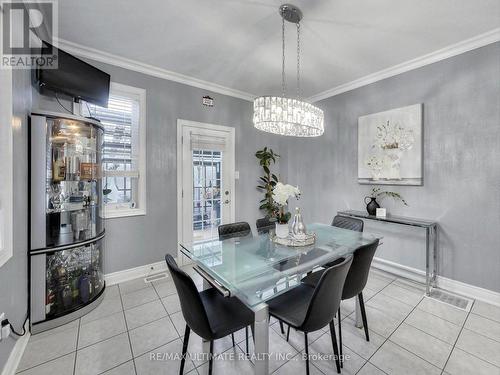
{"x": 281, "y": 194}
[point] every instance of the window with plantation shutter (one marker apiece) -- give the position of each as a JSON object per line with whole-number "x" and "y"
{"x": 123, "y": 150}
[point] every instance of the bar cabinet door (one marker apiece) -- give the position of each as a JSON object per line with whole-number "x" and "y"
{"x": 72, "y": 182}
{"x": 74, "y": 277}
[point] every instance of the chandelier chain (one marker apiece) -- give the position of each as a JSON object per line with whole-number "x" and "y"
{"x": 298, "y": 60}
{"x": 283, "y": 84}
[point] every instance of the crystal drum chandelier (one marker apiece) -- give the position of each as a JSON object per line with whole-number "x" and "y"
{"x": 282, "y": 115}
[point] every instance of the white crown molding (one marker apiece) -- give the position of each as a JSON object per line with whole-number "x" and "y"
{"x": 441, "y": 54}
{"x": 136, "y": 66}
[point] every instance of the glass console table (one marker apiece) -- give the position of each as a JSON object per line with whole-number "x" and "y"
{"x": 431, "y": 239}
{"x": 254, "y": 269}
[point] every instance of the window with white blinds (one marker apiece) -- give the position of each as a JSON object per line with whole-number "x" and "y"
{"x": 123, "y": 150}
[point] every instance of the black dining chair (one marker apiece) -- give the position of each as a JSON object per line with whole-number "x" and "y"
{"x": 309, "y": 308}
{"x": 345, "y": 222}
{"x": 264, "y": 225}
{"x": 239, "y": 229}
{"x": 354, "y": 283}
{"x": 210, "y": 315}
{"x": 350, "y": 223}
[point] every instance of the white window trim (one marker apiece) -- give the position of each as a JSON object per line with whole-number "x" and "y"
{"x": 6, "y": 159}
{"x": 110, "y": 213}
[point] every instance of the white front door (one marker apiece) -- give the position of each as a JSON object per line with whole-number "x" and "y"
{"x": 206, "y": 180}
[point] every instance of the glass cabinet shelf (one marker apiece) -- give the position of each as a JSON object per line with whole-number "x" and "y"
{"x": 73, "y": 181}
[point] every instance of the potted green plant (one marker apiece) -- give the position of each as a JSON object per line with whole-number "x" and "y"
{"x": 281, "y": 194}
{"x": 378, "y": 193}
{"x": 268, "y": 181}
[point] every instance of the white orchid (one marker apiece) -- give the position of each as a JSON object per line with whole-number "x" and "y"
{"x": 282, "y": 192}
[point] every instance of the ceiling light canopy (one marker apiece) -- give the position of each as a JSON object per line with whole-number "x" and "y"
{"x": 283, "y": 115}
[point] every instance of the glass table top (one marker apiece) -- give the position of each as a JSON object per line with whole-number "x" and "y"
{"x": 255, "y": 269}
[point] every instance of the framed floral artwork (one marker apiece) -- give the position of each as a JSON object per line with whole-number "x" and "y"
{"x": 390, "y": 147}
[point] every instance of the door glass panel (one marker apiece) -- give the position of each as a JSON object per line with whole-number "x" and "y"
{"x": 207, "y": 169}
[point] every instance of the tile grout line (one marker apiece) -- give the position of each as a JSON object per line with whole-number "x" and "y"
{"x": 484, "y": 317}
{"x": 368, "y": 360}
{"x": 427, "y": 333}
{"x": 112, "y": 368}
{"x": 387, "y": 339}
{"x": 479, "y": 333}
{"x": 348, "y": 316}
{"x": 296, "y": 354}
{"x": 458, "y": 337}
{"x": 437, "y": 316}
{"x": 409, "y": 351}
{"x": 126, "y": 327}
{"x": 364, "y": 364}
{"x": 123, "y": 311}
{"x": 368, "y": 299}
{"x": 76, "y": 349}
{"x": 239, "y": 344}
{"x": 44, "y": 363}
{"x": 405, "y": 349}
{"x": 171, "y": 321}
{"x": 47, "y": 361}
{"x": 152, "y": 321}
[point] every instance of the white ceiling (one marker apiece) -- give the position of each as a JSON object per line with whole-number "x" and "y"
{"x": 237, "y": 43}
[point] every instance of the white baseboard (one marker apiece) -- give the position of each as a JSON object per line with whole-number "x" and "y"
{"x": 399, "y": 270}
{"x": 17, "y": 352}
{"x": 467, "y": 290}
{"x": 454, "y": 286}
{"x": 134, "y": 273}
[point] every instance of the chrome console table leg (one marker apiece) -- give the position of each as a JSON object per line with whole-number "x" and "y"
{"x": 427, "y": 262}
{"x": 431, "y": 235}
{"x": 435, "y": 256}
{"x": 261, "y": 332}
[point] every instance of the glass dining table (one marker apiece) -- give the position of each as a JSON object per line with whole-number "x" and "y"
{"x": 255, "y": 269}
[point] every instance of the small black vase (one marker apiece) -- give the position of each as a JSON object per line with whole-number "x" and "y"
{"x": 371, "y": 206}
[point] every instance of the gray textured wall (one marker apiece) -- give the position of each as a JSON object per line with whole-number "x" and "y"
{"x": 461, "y": 97}
{"x": 13, "y": 274}
{"x": 140, "y": 240}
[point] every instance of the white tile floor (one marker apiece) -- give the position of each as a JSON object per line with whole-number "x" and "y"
{"x": 409, "y": 334}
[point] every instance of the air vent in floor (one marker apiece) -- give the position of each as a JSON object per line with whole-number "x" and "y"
{"x": 451, "y": 299}
{"x": 156, "y": 277}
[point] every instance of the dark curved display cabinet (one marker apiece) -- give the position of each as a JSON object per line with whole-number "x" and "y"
{"x": 66, "y": 218}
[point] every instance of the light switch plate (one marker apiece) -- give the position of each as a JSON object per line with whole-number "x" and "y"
{"x": 236, "y": 175}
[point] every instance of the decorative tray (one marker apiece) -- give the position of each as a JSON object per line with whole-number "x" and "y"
{"x": 309, "y": 239}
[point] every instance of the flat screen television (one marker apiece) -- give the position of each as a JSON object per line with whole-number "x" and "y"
{"x": 75, "y": 78}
